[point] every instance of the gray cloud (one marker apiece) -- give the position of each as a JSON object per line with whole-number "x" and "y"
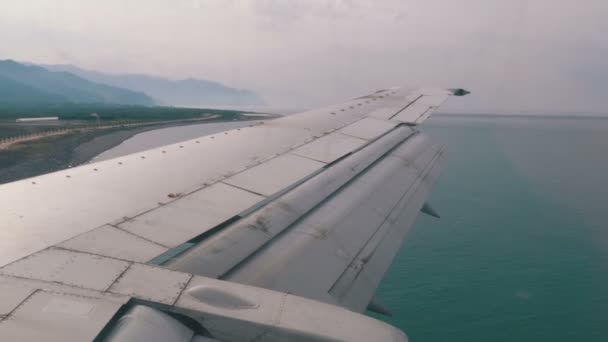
{"x": 517, "y": 56}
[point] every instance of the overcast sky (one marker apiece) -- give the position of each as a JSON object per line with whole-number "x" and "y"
{"x": 515, "y": 56}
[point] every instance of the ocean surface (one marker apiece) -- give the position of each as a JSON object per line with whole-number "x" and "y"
{"x": 521, "y": 250}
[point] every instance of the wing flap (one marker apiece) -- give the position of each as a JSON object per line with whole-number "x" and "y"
{"x": 218, "y": 255}
{"x": 182, "y": 220}
{"x": 353, "y": 289}
{"x": 50, "y": 316}
{"x": 315, "y": 257}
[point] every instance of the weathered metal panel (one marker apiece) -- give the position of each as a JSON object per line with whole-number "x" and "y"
{"x": 218, "y": 254}
{"x": 235, "y": 312}
{"x": 115, "y": 243}
{"x": 329, "y": 239}
{"x": 392, "y": 104}
{"x": 421, "y": 109}
{"x": 330, "y": 147}
{"x": 145, "y": 324}
{"x": 179, "y": 221}
{"x": 11, "y": 296}
{"x": 412, "y": 113}
{"x": 50, "y": 286}
{"x": 40, "y": 212}
{"x": 326, "y": 120}
{"x": 68, "y": 267}
{"x": 275, "y": 175}
{"x": 151, "y": 283}
{"x": 56, "y": 317}
{"x": 368, "y": 128}
{"x": 383, "y": 113}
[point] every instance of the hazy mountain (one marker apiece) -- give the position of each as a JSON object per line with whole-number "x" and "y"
{"x": 21, "y": 82}
{"x": 11, "y": 91}
{"x": 188, "y": 92}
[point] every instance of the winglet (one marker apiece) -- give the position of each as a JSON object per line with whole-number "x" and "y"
{"x": 459, "y": 91}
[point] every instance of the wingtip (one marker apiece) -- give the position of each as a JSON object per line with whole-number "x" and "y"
{"x": 459, "y": 92}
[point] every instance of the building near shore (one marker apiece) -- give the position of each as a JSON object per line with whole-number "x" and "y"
{"x": 47, "y": 118}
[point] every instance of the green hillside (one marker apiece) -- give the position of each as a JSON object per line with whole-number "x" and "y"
{"x": 14, "y": 92}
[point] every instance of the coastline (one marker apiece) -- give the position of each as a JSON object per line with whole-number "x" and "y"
{"x": 7, "y": 144}
{"x": 57, "y": 152}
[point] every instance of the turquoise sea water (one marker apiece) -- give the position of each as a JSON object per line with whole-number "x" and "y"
{"x": 521, "y": 250}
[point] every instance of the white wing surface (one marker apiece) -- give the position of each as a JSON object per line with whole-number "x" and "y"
{"x": 275, "y": 231}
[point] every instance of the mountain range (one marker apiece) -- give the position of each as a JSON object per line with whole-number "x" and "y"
{"x": 186, "y": 92}
{"x": 31, "y": 83}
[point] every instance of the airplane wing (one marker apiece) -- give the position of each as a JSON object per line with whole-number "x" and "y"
{"x": 278, "y": 231}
